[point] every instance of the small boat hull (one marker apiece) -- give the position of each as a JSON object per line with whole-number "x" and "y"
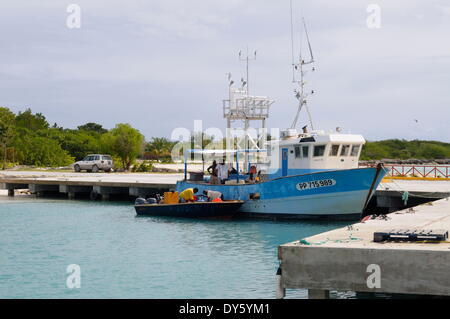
{"x": 191, "y": 210}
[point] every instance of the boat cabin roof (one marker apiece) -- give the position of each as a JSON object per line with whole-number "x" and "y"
{"x": 321, "y": 138}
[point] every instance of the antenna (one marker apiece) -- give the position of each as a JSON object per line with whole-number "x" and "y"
{"x": 292, "y": 44}
{"x": 309, "y": 43}
{"x": 247, "y": 59}
{"x": 243, "y": 82}
{"x": 230, "y": 81}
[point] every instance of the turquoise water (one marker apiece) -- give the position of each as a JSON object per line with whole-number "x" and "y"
{"x": 124, "y": 256}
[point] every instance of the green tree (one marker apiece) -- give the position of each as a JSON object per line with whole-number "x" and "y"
{"x": 78, "y": 143}
{"x": 434, "y": 151}
{"x": 197, "y": 137}
{"x": 125, "y": 142}
{"x": 30, "y": 121}
{"x": 93, "y": 127}
{"x": 41, "y": 151}
{"x": 402, "y": 149}
{"x": 7, "y": 125}
{"x": 159, "y": 147}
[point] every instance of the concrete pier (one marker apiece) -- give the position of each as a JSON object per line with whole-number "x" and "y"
{"x": 389, "y": 196}
{"x": 39, "y": 189}
{"x": 318, "y": 294}
{"x": 72, "y": 190}
{"x": 394, "y": 195}
{"x": 106, "y": 185}
{"x": 347, "y": 259}
{"x": 12, "y": 186}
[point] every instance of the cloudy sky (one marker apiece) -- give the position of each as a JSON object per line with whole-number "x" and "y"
{"x": 160, "y": 64}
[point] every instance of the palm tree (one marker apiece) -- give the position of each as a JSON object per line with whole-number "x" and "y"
{"x": 160, "y": 147}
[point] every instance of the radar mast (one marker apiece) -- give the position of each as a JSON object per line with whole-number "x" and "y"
{"x": 300, "y": 69}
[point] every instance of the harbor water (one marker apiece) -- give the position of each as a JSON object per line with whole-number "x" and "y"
{"x": 121, "y": 255}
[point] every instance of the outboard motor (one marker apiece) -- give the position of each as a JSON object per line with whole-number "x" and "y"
{"x": 140, "y": 201}
{"x": 152, "y": 201}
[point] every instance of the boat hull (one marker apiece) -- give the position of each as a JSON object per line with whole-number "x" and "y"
{"x": 328, "y": 194}
{"x": 191, "y": 210}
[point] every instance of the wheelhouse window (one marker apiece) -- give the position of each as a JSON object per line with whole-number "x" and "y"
{"x": 319, "y": 150}
{"x": 297, "y": 152}
{"x": 334, "y": 151}
{"x": 345, "y": 150}
{"x": 355, "y": 150}
{"x": 305, "y": 151}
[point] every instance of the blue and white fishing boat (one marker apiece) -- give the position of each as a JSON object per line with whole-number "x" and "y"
{"x": 312, "y": 174}
{"x": 307, "y": 185}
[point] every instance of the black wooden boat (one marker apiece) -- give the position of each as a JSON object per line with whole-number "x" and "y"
{"x": 191, "y": 210}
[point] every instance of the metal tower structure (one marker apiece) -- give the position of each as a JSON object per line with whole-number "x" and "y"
{"x": 243, "y": 108}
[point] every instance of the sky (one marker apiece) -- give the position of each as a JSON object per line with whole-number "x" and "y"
{"x": 159, "y": 65}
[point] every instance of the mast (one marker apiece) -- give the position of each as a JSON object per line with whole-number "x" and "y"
{"x": 300, "y": 68}
{"x": 246, "y": 59}
{"x": 245, "y": 86}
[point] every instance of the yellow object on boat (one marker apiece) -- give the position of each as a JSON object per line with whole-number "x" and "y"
{"x": 170, "y": 197}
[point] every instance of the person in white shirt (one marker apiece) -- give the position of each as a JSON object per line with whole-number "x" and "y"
{"x": 222, "y": 172}
{"x": 212, "y": 195}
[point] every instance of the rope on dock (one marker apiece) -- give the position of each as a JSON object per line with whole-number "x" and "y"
{"x": 344, "y": 240}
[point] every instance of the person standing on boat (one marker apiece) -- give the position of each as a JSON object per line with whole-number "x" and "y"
{"x": 212, "y": 169}
{"x": 187, "y": 195}
{"x": 214, "y": 180}
{"x": 252, "y": 174}
{"x": 222, "y": 172}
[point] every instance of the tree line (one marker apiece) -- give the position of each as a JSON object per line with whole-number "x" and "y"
{"x": 402, "y": 150}
{"x": 27, "y": 138}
